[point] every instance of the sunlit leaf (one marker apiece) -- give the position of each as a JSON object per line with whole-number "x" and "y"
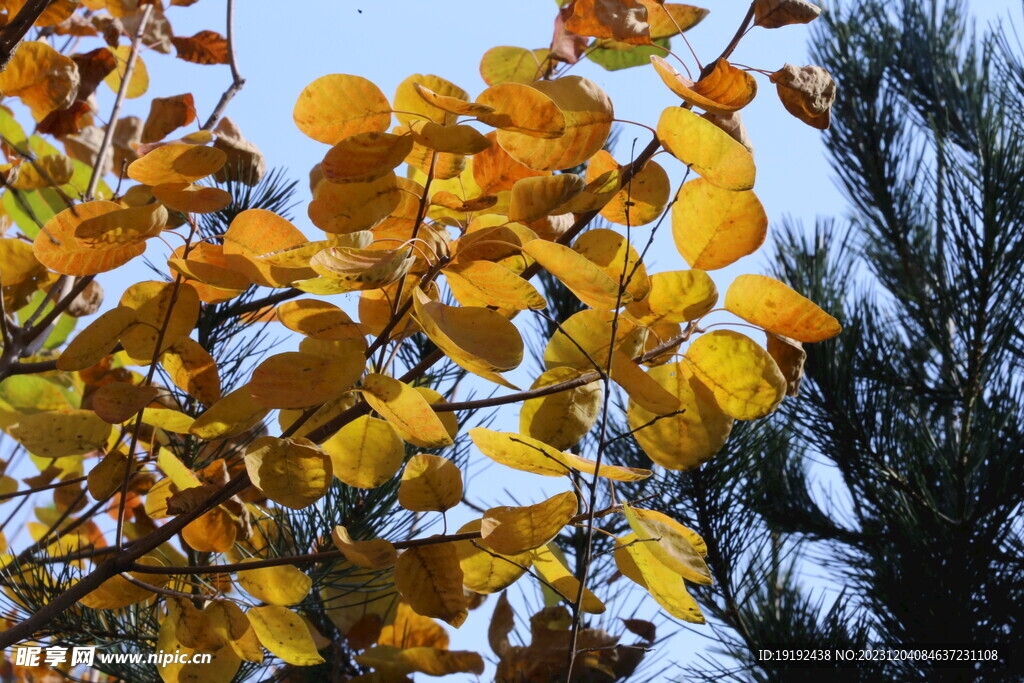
{"x": 713, "y": 227}
{"x": 512, "y": 530}
{"x": 685, "y": 440}
{"x": 707, "y": 149}
{"x": 430, "y": 483}
{"x": 366, "y": 452}
{"x": 746, "y": 382}
{"x": 285, "y": 634}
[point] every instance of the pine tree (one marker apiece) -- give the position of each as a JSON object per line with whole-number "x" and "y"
{"x": 896, "y": 473}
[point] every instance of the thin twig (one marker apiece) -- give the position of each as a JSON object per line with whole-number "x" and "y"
{"x": 236, "y": 78}
{"x": 108, "y": 134}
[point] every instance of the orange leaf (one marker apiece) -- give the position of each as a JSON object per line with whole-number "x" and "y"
{"x": 58, "y": 249}
{"x": 205, "y": 47}
{"x": 621, "y": 20}
{"x": 723, "y": 90}
{"x": 333, "y": 107}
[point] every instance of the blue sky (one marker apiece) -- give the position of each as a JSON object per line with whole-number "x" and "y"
{"x": 284, "y": 46}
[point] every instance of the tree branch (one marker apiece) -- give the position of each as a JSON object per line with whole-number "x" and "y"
{"x": 14, "y": 32}
{"x": 236, "y": 78}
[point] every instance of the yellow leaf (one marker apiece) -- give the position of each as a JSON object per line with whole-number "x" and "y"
{"x": 292, "y": 472}
{"x": 357, "y": 269}
{"x": 449, "y": 139}
{"x": 176, "y": 163}
{"x": 45, "y": 80}
{"x": 193, "y": 370}
{"x": 299, "y": 256}
{"x": 318, "y": 319}
{"x": 561, "y": 419}
{"x": 168, "y": 420}
{"x": 707, "y": 149}
{"x": 333, "y": 107}
{"x": 613, "y": 254}
{"x": 588, "y": 282}
{"x": 365, "y": 156}
{"x": 406, "y": 409}
{"x": 430, "y": 483}
{"x": 229, "y": 623}
{"x": 430, "y": 579}
{"x": 683, "y": 441}
{"x": 484, "y": 283}
{"x": 713, "y": 227}
{"x": 408, "y": 99}
{"x": 280, "y": 585}
{"x": 613, "y": 472}
{"x": 534, "y": 198}
{"x": 485, "y": 571}
{"x": 584, "y": 339}
{"x": 412, "y": 630}
{"x": 139, "y": 83}
{"x": 664, "y": 585}
{"x": 164, "y": 311}
{"x": 46, "y": 171}
{"x": 676, "y": 296}
{"x": 366, "y": 452}
{"x": 641, "y": 387}
{"x": 670, "y": 547}
{"x": 477, "y": 339}
{"x": 58, "y": 249}
{"x": 107, "y": 476}
{"x": 232, "y": 415}
{"x": 297, "y": 380}
{"x": 723, "y": 90}
{"x": 125, "y": 226}
{"x": 374, "y": 554}
{"x": 97, "y": 340}
{"x": 588, "y": 117}
{"x": 55, "y": 434}
{"x": 453, "y": 105}
{"x": 778, "y": 308}
{"x": 520, "y": 452}
{"x": 285, "y": 634}
{"x": 512, "y": 530}
{"x": 641, "y": 200}
{"x": 668, "y": 19}
{"x": 519, "y": 108}
{"x": 555, "y": 573}
{"x": 212, "y": 532}
{"x": 342, "y": 208}
{"x": 746, "y": 382}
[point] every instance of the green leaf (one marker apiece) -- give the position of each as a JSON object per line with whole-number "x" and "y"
{"x": 613, "y": 55}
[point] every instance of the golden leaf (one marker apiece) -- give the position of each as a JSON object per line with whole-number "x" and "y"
{"x": 293, "y": 472}
{"x": 707, "y": 149}
{"x": 430, "y": 483}
{"x": 512, "y": 530}
{"x": 778, "y": 308}
{"x": 746, "y": 382}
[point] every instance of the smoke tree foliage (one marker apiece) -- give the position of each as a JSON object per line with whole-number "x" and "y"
{"x": 181, "y": 521}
